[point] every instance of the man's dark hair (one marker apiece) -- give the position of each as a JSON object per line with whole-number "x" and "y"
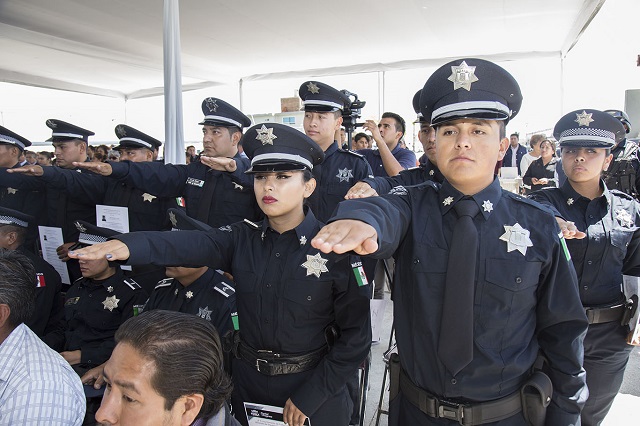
{"x": 400, "y": 125}
{"x": 361, "y": 135}
{"x": 187, "y": 354}
{"x": 233, "y": 130}
{"x": 17, "y": 286}
{"x": 517, "y": 135}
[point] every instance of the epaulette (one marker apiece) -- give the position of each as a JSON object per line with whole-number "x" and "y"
{"x": 525, "y": 200}
{"x": 251, "y": 224}
{"x": 621, "y": 194}
{"x": 224, "y": 289}
{"x": 352, "y": 153}
{"x": 132, "y": 284}
{"x": 164, "y": 283}
{"x": 427, "y": 184}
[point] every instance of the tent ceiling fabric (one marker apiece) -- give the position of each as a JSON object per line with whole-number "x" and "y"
{"x": 114, "y": 48}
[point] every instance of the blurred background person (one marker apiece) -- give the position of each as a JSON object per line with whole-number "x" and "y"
{"x": 45, "y": 158}
{"x": 532, "y": 155}
{"x": 361, "y": 141}
{"x": 542, "y": 172}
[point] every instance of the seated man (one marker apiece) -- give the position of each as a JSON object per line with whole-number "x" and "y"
{"x": 37, "y": 386}
{"x": 159, "y": 374}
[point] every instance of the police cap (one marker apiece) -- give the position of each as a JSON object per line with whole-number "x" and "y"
{"x": 219, "y": 113}
{"x": 134, "y": 138}
{"x": 63, "y": 131}
{"x": 181, "y": 222}
{"x": 588, "y": 128}
{"x": 7, "y": 137}
{"x": 416, "y": 107}
{"x": 92, "y": 234}
{"x": 470, "y": 88}
{"x": 274, "y": 147}
{"x": 15, "y": 218}
{"x": 320, "y": 97}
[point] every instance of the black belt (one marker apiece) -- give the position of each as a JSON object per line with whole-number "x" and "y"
{"x": 270, "y": 363}
{"x": 599, "y": 315}
{"x": 464, "y": 414}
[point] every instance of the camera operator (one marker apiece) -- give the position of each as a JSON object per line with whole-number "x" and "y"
{"x": 390, "y": 158}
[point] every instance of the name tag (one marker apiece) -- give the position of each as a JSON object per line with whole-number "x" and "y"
{"x": 195, "y": 182}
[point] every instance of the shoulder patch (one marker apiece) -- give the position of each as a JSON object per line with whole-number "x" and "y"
{"x": 398, "y": 190}
{"x": 164, "y": 283}
{"x": 224, "y": 289}
{"x": 132, "y": 284}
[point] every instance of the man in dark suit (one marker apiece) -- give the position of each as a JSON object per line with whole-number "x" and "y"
{"x": 515, "y": 153}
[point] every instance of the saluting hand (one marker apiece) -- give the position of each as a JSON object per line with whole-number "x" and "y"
{"x": 34, "y": 170}
{"x": 372, "y": 127}
{"x": 291, "y": 415}
{"x": 345, "y": 235}
{"x": 222, "y": 164}
{"x": 111, "y": 250}
{"x": 569, "y": 230}
{"x": 360, "y": 190}
{"x": 103, "y": 169}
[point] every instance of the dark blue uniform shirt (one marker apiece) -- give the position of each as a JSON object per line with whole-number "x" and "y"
{"x": 287, "y": 293}
{"x": 523, "y": 302}
{"x": 211, "y": 297}
{"x": 339, "y": 171}
{"x": 214, "y": 197}
{"x": 406, "y": 158}
{"x": 612, "y": 224}
{"x": 413, "y": 176}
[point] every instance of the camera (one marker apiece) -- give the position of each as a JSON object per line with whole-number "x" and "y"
{"x": 351, "y": 114}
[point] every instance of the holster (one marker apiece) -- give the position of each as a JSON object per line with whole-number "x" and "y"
{"x": 536, "y": 396}
{"x": 630, "y": 307}
{"x": 394, "y": 375}
{"x": 230, "y": 343}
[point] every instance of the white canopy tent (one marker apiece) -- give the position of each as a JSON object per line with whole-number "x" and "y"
{"x": 253, "y": 52}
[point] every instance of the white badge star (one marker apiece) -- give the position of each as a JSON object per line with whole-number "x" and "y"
{"x": 447, "y": 201}
{"x": 432, "y": 172}
{"x": 265, "y": 135}
{"x": 583, "y": 119}
{"x": 80, "y": 227}
{"x": 121, "y": 131}
{"x": 517, "y": 238}
{"x": 315, "y": 265}
{"x": 303, "y": 240}
{"x": 211, "y": 104}
{"x": 344, "y": 175}
{"x": 624, "y": 218}
{"x": 487, "y": 205}
{"x": 569, "y": 201}
{"x": 189, "y": 294}
{"x": 148, "y": 197}
{"x": 173, "y": 219}
{"x": 462, "y": 76}
{"x": 205, "y": 313}
{"x": 110, "y": 303}
{"x": 175, "y": 293}
{"x": 313, "y": 88}
{"x": 110, "y": 289}
{"x": 11, "y": 190}
{"x": 237, "y": 186}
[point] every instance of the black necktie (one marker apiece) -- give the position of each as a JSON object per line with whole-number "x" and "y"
{"x": 455, "y": 346}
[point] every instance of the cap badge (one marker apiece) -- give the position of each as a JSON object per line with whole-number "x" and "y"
{"x": 315, "y": 265}
{"x": 110, "y": 303}
{"x": 462, "y": 76}
{"x": 80, "y": 227}
{"x": 345, "y": 175}
{"x": 172, "y": 218}
{"x": 265, "y": 135}
{"x": 121, "y": 131}
{"x": 487, "y": 205}
{"x": 148, "y": 197}
{"x": 205, "y": 313}
{"x": 211, "y": 104}
{"x": 583, "y": 119}
{"x": 517, "y": 238}
{"x": 51, "y": 124}
{"x": 313, "y": 88}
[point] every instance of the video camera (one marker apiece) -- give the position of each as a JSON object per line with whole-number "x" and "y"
{"x": 351, "y": 114}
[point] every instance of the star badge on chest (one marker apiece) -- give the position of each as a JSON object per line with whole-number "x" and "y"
{"x": 110, "y": 303}
{"x": 345, "y": 175}
{"x": 205, "y": 313}
{"x": 315, "y": 265}
{"x": 172, "y": 218}
{"x": 624, "y": 218}
{"x": 487, "y": 205}
{"x": 517, "y": 238}
{"x": 148, "y": 197}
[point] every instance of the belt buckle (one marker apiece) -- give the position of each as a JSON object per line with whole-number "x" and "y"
{"x": 258, "y": 361}
{"x": 450, "y": 410}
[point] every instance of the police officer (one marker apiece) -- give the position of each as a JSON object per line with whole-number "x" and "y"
{"x": 48, "y": 317}
{"x": 97, "y": 304}
{"x": 611, "y": 221}
{"x": 215, "y": 189}
{"x": 200, "y": 291}
{"x": 303, "y": 317}
{"x": 32, "y": 203}
{"x": 623, "y": 172}
{"x": 483, "y": 282}
{"x": 427, "y": 170}
{"x": 323, "y": 106}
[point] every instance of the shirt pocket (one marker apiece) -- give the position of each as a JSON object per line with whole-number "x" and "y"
{"x": 505, "y": 303}
{"x": 310, "y": 300}
{"x": 247, "y": 301}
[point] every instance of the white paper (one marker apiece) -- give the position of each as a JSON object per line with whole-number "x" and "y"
{"x": 50, "y": 240}
{"x": 377, "y": 316}
{"x": 631, "y": 286}
{"x": 112, "y": 217}
{"x": 265, "y": 415}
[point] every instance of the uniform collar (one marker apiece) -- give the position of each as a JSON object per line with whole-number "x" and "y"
{"x": 108, "y": 282}
{"x": 198, "y": 284}
{"x": 332, "y": 148}
{"x": 304, "y": 231}
{"x": 570, "y": 195}
{"x": 487, "y": 199}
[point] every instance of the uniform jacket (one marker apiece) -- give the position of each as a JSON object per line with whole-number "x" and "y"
{"x": 413, "y": 176}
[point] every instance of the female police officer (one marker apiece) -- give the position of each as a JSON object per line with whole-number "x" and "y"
{"x": 304, "y": 321}
{"x": 611, "y": 221}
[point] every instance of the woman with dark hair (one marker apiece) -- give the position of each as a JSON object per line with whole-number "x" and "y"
{"x": 45, "y": 158}
{"x": 303, "y": 317}
{"x": 611, "y": 221}
{"x": 542, "y": 172}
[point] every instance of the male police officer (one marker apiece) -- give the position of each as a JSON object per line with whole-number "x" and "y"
{"x": 623, "y": 172}
{"x": 484, "y": 281}
{"x": 215, "y": 189}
